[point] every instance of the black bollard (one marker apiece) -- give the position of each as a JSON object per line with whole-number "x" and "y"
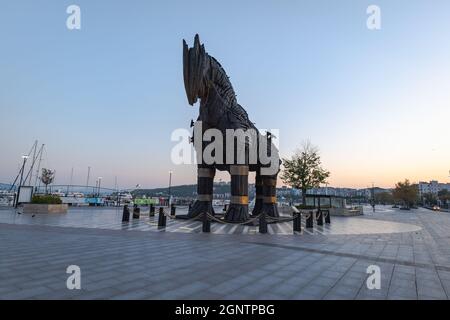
{"x": 206, "y": 227}
{"x": 152, "y": 210}
{"x": 327, "y": 217}
{"x": 319, "y": 218}
{"x": 161, "y": 218}
{"x": 297, "y": 222}
{"x": 136, "y": 212}
{"x": 172, "y": 210}
{"x": 262, "y": 223}
{"x": 126, "y": 214}
{"x": 309, "y": 220}
{"x": 319, "y": 215}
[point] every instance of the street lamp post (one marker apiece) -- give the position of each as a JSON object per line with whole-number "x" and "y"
{"x": 170, "y": 186}
{"x": 88, "y": 174}
{"x": 94, "y": 190}
{"x": 24, "y": 157}
{"x": 99, "y": 184}
{"x": 373, "y": 197}
{"x": 448, "y": 201}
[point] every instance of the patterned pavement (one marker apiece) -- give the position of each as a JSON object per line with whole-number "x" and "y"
{"x": 110, "y": 218}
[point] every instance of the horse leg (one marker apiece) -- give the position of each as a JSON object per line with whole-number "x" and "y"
{"x": 259, "y": 194}
{"x": 269, "y": 206}
{"x": 238, "y": 209}
{"x": 205, "y": 180}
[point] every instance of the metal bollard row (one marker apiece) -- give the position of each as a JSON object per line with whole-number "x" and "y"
{"x": 321, "y": 217}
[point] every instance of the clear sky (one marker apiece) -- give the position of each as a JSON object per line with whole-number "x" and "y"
{"x": 377, "y": 103}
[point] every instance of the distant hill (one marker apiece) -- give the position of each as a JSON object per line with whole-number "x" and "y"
{"x": 222, "y": 190}
{"x": 4, "y": 186}
{"x": 189, "y": 190}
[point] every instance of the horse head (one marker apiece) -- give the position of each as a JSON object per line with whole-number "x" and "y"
{"x": 201, "y": 72}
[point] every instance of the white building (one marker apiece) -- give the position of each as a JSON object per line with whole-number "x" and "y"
{"x": 432, "y": 187}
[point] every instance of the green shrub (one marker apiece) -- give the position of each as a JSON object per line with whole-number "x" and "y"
{"x": 305, "y": 207}
{"x": 47, "y": 199}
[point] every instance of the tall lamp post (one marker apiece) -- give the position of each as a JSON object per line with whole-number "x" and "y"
{"x": 24, "y": 157}
{"x": 448, "y": 201}
{"x": 99, "y": 184}
{"x": 373, "y": 197}
{"x": 170, "y": 187}
{"x": 87, "y": 180}
{"x": 94, "y": 190}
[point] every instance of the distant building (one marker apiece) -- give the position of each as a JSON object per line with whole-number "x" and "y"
{"x": 432, "y": 187}
{"x": 348, "y": 192}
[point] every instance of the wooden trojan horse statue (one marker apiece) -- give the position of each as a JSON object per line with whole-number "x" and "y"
{"x": 206, "y": 80}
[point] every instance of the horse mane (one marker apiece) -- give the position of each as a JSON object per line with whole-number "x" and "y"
{"x": 222, "y": 83}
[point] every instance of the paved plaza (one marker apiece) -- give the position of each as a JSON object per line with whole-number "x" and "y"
{"x": 136, "y": 260}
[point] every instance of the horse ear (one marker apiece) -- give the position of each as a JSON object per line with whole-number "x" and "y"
{"x": 194, "y": 62}
{"x": 186, "y": 70}
{"x": 197, "y": 40}
{"x": 197, "y": 46}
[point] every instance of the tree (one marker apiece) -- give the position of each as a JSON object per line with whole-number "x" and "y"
{"x": 384, "y": 197}
{"x": 444, "y": 196}
{"x": 47, "y": 177}
{"x": 406, "y": 192}
{"x": 303, "y": 171}
{"x": 430, "y": 198}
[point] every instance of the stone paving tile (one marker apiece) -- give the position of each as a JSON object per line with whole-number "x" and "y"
{"x": 62, "y": 294}
{"x": 435, "y": 292}
{"x": 374, "y": 294}
{"x": 101, "y": 294}
{"x": 183, "y": 292}
{"x": 404, "y": 292}
{"x": 25, "y": 293}
{"x": 342, "y": 292}
{"x": 226, "y": 287}
{"x": 133, "y": 295}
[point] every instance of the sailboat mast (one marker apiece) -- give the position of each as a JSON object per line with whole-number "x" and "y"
{"x": 41, "y": 151}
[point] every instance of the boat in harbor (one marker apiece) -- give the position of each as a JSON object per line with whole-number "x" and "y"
{"x": 6, "y": 198}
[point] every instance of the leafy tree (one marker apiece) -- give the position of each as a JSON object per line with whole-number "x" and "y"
{"x": 406, "y": 192}
{"x": 47, "y": 177}
{"x": 384, "y": 197}
{"x": 430, "y": 198}
{"x": 444, "y": 196}
{"x": 303, "y": 171}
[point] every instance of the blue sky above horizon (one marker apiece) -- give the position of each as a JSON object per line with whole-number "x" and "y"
{"x": 109, "y": 95}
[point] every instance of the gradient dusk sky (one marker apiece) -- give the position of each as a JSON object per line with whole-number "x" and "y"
{"x": 108, "y": 96}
